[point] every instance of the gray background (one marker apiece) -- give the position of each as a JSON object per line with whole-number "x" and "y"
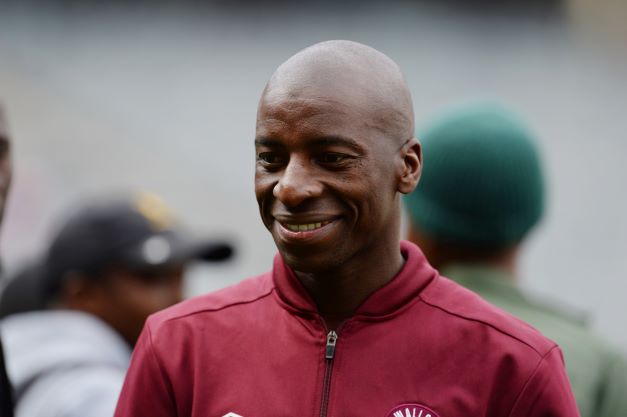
{"x": 106, "y": 95}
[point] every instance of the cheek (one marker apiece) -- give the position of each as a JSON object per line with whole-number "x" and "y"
{"x": 378, "y": 194}
{"x": 387, "y": 179}
{"x": 264, "y": 187}
{"x": 264, "y": 184}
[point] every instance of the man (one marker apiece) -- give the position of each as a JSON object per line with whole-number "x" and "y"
{"x": 350, "y": 321}
{"x": 6, "y": 394}
{"x": 110, "y": 265}
{"x": 480, "y": 195}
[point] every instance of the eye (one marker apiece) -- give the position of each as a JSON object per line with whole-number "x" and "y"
{"x": 270, "y": 158}
{"x": 332, "y": 158}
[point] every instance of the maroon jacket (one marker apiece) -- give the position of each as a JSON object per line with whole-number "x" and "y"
{"x": 421, "y": 346}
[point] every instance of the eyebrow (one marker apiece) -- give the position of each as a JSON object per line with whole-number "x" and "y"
{"x": 333, "y": 140}
{"x": 339, "y": 141}
{"x": 262, "y": 141}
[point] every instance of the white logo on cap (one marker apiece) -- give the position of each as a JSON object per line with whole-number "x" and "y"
{"x": 156, "y": 250}
{"x": 231, "y": 415}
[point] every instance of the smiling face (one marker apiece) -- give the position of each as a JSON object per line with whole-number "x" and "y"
{"x": 324, "y": 183}
{"x": 328, "y": 172}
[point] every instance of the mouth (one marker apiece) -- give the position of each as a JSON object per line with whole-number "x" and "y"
{"x": 305, "y": 231}
{"x": 305, "y": 227}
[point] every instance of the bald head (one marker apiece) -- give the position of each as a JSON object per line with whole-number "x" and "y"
{"x": 352, "y": 75}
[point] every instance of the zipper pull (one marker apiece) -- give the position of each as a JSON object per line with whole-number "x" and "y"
{"x": 331, "y": 341}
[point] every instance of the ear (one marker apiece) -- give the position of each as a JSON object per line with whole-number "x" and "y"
{"x": 411, "y": 154}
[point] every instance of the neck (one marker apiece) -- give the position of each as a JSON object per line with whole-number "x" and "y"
{"x": 506, "y": 261}
{"x": 340, "y": 292}
{"x": 441, "y": 255}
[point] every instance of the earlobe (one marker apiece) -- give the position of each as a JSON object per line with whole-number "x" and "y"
{"x": 411, "y": 166}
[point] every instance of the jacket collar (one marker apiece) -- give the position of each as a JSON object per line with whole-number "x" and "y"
{"x": 404, "y": 287}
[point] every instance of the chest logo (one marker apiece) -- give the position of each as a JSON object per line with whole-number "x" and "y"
{"x": 231, "y": 415}
{"x": 411, "y": 410}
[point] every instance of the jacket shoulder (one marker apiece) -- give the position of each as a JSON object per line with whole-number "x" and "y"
{"x": 462, "y": 304}
{"x": 245, "y": 292}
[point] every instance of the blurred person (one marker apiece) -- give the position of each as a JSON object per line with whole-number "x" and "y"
{"x": 6, "y": 392}
{"x": 111, "y": 264}
{"x": 350, "y": 321}
{"x": 481, "y": 193}
{"x": 23, "y": 291}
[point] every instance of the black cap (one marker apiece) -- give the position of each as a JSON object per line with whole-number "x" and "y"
{"x": 136, "y": 233}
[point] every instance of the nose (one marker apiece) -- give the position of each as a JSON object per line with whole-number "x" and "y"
{"x": 297, "y": 184}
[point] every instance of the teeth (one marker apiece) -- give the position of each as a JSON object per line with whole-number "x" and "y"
{"x": 306, "y": 226}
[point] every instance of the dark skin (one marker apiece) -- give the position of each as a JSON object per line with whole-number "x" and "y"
{"x": 335, "y": 149}
{"x": 124, "y": 298}
{"x": 5, "y": 162}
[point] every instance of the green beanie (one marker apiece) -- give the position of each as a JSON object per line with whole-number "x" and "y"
{"x": 482, "y": 182}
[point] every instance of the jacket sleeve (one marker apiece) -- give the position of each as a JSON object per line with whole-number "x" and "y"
{"x": 547, "y": 393}
{"x": 147, "y": 391}
{"x": 612, "y": 400}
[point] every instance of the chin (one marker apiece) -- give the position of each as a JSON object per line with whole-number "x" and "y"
{"x": 309, "y": 263}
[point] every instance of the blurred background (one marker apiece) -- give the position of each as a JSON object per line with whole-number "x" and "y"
{"x": 162, "y": 95}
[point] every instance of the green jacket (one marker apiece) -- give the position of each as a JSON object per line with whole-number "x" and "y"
{"x": 598, "y": 374}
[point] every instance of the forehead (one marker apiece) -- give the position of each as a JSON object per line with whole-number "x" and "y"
{"x": 289, "y": 114}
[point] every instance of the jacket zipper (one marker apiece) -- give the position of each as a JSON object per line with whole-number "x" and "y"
{"x": 329, "y": 353}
